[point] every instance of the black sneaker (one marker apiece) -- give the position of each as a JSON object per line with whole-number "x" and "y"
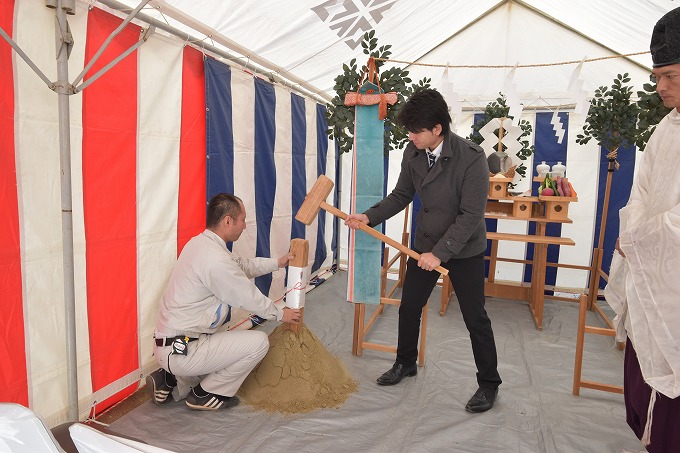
{"x": 160, "y": 384}
{"x": 210, "y": 401}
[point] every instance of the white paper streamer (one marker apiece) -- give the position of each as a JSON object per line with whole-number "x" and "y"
{"x": 577, "y": 92}
{"x": 556, "y": 121}
{"x": 512, "y": 98}
{"x": 295, "y": 291}
{"x": 455, "y": 106}
{"x": 510, "y": 140}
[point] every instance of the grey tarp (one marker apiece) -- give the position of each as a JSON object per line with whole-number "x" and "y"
{"x": 535, "y": 410}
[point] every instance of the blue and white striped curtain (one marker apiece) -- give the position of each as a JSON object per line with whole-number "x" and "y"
{"x": 268, "y": 146}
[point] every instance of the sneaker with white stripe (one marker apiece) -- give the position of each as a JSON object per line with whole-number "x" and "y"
{"x": 160, "y": 384}
{"x": 211, "y": 401}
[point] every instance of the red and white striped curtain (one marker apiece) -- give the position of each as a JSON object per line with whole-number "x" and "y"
{"x": 138, "y": 150}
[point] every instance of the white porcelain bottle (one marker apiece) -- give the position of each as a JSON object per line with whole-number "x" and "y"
{"x": 542, "y": 169}
{"x": 558, "y": 170}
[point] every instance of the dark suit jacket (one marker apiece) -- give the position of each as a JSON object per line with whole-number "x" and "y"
{"x": 450, "y": 223}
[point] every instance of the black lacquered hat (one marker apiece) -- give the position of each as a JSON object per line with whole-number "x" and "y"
{"x": 665, "y": 44}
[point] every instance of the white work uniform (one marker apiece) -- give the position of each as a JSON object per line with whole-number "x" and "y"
{"x": 206, "y": 282}
{"x": 644, "y": 286}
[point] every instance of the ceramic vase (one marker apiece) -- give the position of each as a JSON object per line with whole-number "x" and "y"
{"x": 542, "y": 169}
{"x": 558, "y": 170}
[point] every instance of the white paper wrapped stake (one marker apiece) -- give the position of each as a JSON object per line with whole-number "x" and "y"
{"x": 295, "y": 291}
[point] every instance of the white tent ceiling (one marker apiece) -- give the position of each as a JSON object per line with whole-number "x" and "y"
{"x": 310, "y": 39}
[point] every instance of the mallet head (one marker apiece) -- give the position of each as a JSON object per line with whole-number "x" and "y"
{"x": 310, "y": 207}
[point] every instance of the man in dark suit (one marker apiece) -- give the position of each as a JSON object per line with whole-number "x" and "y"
{"x": 451, "y": 177}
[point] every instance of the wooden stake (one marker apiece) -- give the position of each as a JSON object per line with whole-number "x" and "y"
{"x": 300, "y": 249}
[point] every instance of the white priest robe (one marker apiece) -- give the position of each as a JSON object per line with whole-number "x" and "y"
{"x": 644, "y": 287}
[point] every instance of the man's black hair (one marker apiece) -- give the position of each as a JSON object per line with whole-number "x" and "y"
{"x": 424, "y": 110}
{"x": 220, "y": 206}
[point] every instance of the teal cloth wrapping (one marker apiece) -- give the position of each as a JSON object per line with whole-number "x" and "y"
{"x": 368, "y": 189}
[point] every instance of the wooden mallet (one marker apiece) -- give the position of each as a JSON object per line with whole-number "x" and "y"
{"x": 316, "y": 199}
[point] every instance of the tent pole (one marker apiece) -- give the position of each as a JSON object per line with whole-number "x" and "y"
{"x": 24, "y": 57}
{"x": 108, "y": 41}
{"x": 63, "y": 89}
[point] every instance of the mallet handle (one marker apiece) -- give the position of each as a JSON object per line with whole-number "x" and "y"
{"x": 381, "y": 237}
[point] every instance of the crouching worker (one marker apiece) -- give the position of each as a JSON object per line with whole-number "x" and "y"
{"x": 199, "y": 361}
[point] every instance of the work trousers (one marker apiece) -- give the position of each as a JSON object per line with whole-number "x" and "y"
{"x": 467, "y": 278}
{"x": 219, "y": 362}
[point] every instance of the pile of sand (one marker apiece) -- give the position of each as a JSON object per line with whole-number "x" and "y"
{"x": 297, "y": 375}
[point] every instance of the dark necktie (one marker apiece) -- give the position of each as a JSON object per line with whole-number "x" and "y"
{"x": 431, "y": 159}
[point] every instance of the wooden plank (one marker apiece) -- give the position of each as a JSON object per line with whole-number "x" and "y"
{"x": 602, "y": 387}
{"x": 389, "y": 301}
{"x": 506, "y": 291}
{"x": 564, "y": 299}
{"x": 371, "y": 320}
{"x": 558, "y": 198}
{"x": 393, "y": 289}
{"x": 489, "y": 215}
{"x": 529, "y": 238}
{"x": 538, "y": 284}
{"x": 601, "y": 331}
{"x": 423, "y": 335}
{"x": 446, "y": 295}
{"x": 493, "y": 255}
{"x": 596, "y": 308}
{"x": 358, "y": 337}
{"x": 378, "y": 347}
{"x": 580, "y": 338}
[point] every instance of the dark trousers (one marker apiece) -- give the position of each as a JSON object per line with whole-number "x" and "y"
{"x": 467, "y": 278}
{"x": 666, "y": 412}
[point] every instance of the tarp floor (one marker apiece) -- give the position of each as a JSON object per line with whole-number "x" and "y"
{"x": 535, "y": 410}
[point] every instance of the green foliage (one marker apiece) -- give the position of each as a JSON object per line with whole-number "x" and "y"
{"x": 612, "y": 117}
{"x": 651, "y": 112}
{"x": 341, "y": 118}
{"x": 500, "y": 109}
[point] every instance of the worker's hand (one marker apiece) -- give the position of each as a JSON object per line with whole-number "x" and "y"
{"x": 285, "y": 259}
{"x": 428, "y": 261}
{"x": 618, "y": 248}
{"x": 353, "y": 220}
{"x": 291, "y": 315}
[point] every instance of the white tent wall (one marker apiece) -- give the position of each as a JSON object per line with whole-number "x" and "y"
{"x": 309, "y": 39}
{"x": 312, "y": 38}
{"x": 158, "y": 90}
{"x": 513, "y": 34}
{"x": 508, "y": 36}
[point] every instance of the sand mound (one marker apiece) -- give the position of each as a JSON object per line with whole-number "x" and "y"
{"x": 297, "y": 375}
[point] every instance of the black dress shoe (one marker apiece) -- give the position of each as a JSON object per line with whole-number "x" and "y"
{"x": 397, "y": 373}
{"x": 482, "y": 400}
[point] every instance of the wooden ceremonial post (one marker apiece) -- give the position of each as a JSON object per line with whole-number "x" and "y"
{"x": 300, "y": 249}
